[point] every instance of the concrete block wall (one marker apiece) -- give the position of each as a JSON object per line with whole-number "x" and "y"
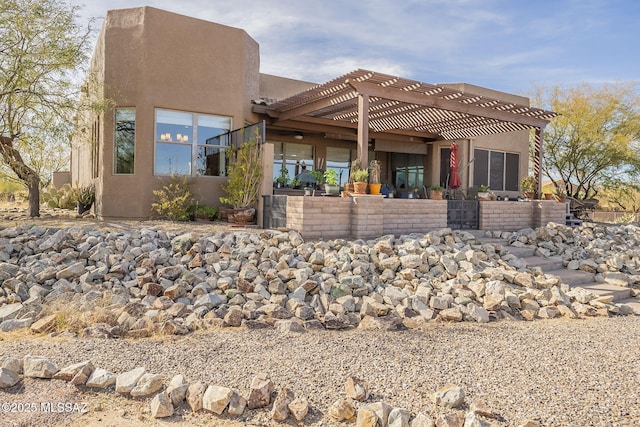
{"x": 546, "y": 211}
{"x": 508, "y": 216}
{"x": 319, "y": 217}
{"x": 367, "y": 216}
{"x": 407, "y": 216}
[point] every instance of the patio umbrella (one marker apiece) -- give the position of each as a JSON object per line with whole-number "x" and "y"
{"x": 454, "y": 179}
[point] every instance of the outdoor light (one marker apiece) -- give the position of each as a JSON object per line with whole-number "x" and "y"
{"x": 299, "y": 136}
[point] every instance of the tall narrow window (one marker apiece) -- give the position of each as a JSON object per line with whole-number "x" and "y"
{"x": 125, "y": 140}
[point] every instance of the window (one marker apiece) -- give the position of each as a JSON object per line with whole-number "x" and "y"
{"x": 497, "y": 169}
{"x": 339, "y": 159}
{"x": 294, "y": 158}
{"x": 191, "y": 144}
{"x": 407, "y": 170}
{"x": 125, "y": 140}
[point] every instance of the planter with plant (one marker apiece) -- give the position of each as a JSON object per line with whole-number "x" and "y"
{"x": 435, "y": 192}
{"x": 355, "y": 166}
{"x": 529, "y": 186}
{"x": 484, "y": 193}
{"x": 282, "y": 180}
{"x": 360, "y": 178}
{"x": 561, "y": 195}
{"x": 205, "y": 212}
{"x": 85, "y": 196}
{"x": 374, "y": 177}
{"x": 243, "y": 186}
{"x": 331, "y": 186}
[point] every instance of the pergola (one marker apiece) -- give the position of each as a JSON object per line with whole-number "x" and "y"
{"x": 379, "y": 102}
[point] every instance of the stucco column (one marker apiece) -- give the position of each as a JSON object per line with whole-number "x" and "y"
{"x": 363, "y": 130}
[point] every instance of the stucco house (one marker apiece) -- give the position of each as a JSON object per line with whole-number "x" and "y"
{"x": 179, "y": 84}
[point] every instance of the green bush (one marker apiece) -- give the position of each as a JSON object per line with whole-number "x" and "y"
{"x": 63, "y": 198}
{"x": 174, "y": 200}
{"x": 205, "y": 211}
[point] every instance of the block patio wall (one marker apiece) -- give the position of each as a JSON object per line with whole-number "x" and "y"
{"x": 364, "y": 216}
{"x": 509, "y": 216}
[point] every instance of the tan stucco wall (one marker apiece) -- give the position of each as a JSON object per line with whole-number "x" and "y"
{"x": 156, "y": 59}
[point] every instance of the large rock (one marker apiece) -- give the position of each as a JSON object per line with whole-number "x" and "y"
{"x": 422, "y": 420}
{"x": 399, "y": 417}
{"x": 280, "y": 410}
{"x": 177, "y": 389}
{"x": 299, "y": 408}
{"x": 341, "y": 410}
{"x": 367, "y": 418}
{"x": 39, "y": 367}
{"x": 216, "y": 399}
{"x": 8, "y": 378}
{"x": 126, "y": 381}
{"x": 356, "y": 389}
{"x": 10, "y": 311}
{"x": 382, "y": 410}
{"x": 161, "y": 406}
{"x": 195, "y": 393}
{"x": 101, "y": 378}
{"x": 147, "y": 384}
{"x": 237, "y": 404}
{"x": 68, "y": 373}
{"x": 260, "y": 391}
{"x": 45, "y": 324}
{"x": 450, "y": 396}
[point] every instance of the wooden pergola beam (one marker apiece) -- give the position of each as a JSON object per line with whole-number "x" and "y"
{"x": 424, "y": 100}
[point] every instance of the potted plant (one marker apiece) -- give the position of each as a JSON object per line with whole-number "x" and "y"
{"x": 355, "y": 166}
{"x": 283, "y": 179}
{"x": 331, "y": 186}
{"x": 243, "y": 186}
{"x": 561, "y": 195}
{"x": 484, "y": 193}
{"x": 360, "y": 178}
{"x": 205, "y": 212}
{"x": 85, "y": 196}
{"x": 435, "y": 192}
{"x": 374, "y": 177}
{"x": 529, "y": 185}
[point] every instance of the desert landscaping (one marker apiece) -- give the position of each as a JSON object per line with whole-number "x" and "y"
{"x": 160, "y": 323}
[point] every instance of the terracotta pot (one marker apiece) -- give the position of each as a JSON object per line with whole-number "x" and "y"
{"x": 435, "y": 195}
{"x": 548, "y": 196}
{"x": 374, "y": 188}
{"x": 360, "y": 187}
{"x": 348, "y": 187}
{"x": 243, "y": 215}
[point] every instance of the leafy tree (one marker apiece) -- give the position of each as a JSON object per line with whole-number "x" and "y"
{"x": 42, "y": 47}
{"x": 594, "y": 143}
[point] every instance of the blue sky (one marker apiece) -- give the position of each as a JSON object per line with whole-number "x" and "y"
{"x": 508, "y": 45}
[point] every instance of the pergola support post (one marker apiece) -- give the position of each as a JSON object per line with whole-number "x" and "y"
{"x": 363, "y": 130}
{"x": 537, "y": 158}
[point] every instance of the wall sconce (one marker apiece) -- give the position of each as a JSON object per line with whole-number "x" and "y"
{"x": 298, "y": 136}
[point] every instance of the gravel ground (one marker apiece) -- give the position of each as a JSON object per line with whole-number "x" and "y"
{"x": 559, "y": 372}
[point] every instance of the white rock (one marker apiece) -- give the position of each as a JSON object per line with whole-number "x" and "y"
{"x": 147, "y": 385}
{"x": 216, "y": 399}
{"x": 450, "y": 396}
{"x": 161, "y": 406}
{"x": 126, "y": 381}
{"x": 101, "y": 378}
{"x": 38, "y": 367}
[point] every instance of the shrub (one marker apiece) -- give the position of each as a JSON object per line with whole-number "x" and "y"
{"x": 63, "y": 198}
{"x": 245, "y": 175}
{"x": 205, "y": 211}
{"x": 174, "y": 199}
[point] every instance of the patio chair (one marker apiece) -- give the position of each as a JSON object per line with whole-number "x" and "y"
{"x": 582, "y": 208}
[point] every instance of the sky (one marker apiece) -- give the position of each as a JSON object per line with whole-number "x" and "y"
{"x": 507, "y": 45}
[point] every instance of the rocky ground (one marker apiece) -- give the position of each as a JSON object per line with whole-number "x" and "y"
{"x": 221, "y": 305}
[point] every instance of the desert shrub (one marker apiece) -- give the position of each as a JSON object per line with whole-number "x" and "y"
{"x": 173, "y": 200}
{"x": 63, "y": 198}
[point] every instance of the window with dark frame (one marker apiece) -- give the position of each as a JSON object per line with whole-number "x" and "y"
{"x": 125, "y": 141}
{"x": 497, "y": 169}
